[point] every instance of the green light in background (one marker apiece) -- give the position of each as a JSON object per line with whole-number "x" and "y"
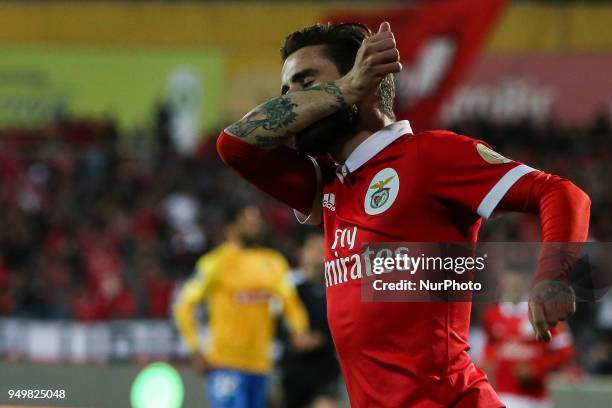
{"x": 158, "y": 385}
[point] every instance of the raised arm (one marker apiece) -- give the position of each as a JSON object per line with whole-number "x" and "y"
{"x": 254, "y": 146}
{"x": 280, "y": 118}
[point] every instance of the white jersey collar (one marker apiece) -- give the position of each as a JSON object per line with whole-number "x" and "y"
{"x": 373, "y": 145}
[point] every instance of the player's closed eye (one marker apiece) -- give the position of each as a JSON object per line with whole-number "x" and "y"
{"x": 305, "y": 84}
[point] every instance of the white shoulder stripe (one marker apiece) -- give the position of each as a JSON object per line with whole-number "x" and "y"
{"x": 499, "y": 190}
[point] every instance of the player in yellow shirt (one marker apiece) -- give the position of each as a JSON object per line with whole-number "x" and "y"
{"x": 238, "y": 280}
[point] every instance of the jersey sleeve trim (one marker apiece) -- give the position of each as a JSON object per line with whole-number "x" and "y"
{"x": 499, "y": 190}
{"x": 314, "y": 218}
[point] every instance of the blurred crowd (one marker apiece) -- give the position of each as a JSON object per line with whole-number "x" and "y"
{"x": 99, "y": 225}
{"x": 581, "y": 154}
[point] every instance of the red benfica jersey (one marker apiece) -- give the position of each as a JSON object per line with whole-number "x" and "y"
{"x": 398, "y": 186}
{"x": 511, "y": 342}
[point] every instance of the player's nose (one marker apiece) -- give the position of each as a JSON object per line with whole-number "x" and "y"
{"x": 295, "y": 87}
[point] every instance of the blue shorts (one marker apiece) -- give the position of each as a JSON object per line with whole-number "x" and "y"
{"x": 228, "y": 388}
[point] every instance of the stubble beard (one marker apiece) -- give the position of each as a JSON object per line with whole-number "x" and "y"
{"x": 327, "y": 134}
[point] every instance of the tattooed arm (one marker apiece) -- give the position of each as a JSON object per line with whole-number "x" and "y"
{"x": 273, "y": 122}
{"x": 253, "y": 146}
{"x": 276, "y": 120}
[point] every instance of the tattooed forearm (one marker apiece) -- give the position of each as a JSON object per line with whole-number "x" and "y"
{"x": 278, "y": 113}
{"x": 332, "y": 89}
{"x": 273, "y": 122}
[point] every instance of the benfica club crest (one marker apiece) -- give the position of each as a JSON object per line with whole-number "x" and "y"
{"x": 382, "y": 191}
{"x": 381, "y": 195}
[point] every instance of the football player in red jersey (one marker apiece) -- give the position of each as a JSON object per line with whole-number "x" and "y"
{"x": 517, "y": 364}
{"x": 367, "y": 178}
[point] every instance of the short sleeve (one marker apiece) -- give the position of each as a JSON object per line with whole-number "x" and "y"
{"x": 198, "y": 286}
{"x": 466, "y": 171}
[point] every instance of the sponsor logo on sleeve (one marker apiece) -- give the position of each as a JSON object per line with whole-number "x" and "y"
{"x": 490, "y": 156}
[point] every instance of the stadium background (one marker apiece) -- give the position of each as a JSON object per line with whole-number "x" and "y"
{"x": 110, "y": 187}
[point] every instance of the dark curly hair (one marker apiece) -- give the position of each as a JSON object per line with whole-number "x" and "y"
{"x": 341, "y": 41}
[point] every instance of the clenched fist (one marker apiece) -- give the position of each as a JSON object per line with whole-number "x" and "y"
{"x": 549, "y": 303}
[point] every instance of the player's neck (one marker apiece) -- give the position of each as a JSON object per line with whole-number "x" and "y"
{"x": 234, "y": 239}
{"x": 368, "y": 127}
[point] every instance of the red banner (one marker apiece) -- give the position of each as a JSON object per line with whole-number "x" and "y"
{"x": 438, "y": 42}
{"x": 571, "y": 89}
